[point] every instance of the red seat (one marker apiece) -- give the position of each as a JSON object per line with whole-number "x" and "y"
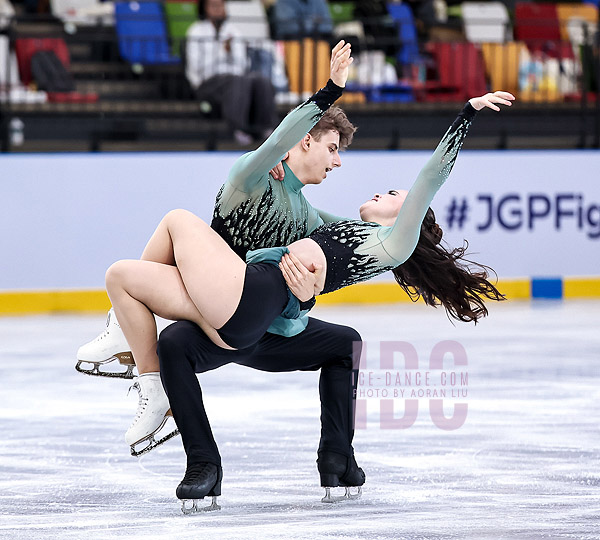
{"x": 27, "y": 47}
{"x": 72, "y": 97}
{"x": 461, "y": 72}
{"x": 536, "y": 22}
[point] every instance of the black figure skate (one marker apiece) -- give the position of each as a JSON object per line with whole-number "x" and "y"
{"x": 200, "y": 480}
{"x": 338, "y": 470}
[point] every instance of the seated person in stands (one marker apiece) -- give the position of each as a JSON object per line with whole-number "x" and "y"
{"x": 300, "y": 18}
{"x": 217, "y": 68}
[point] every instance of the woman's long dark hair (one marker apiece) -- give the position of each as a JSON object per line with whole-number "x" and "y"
{"x": 443, "y": 277}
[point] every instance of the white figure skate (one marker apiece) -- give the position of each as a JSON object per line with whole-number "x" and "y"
{"x": 152, "y": 414}
{"x": 109, "y": 346}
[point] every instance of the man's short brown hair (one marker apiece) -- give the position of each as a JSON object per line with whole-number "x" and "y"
{"x": 335, "y": 119}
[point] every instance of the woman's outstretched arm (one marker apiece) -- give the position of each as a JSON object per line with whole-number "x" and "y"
{"x": 400, "y": 240}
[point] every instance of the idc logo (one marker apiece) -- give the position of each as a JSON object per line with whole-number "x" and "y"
{"x": 401, "y": 388}
{"x": 514, "y": 212}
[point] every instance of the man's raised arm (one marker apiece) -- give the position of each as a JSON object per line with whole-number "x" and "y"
{"x": 249, "y": 171}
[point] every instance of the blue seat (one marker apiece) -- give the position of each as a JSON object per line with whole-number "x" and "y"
{"x": 142, "y": 33}
{"x": 384, "y": 93}
{"x": 407, "y": 32}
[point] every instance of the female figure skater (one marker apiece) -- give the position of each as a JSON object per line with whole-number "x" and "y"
{"x": 235, "y": 302}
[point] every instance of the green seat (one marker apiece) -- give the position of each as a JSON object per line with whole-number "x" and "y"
{"x": 180, "y": 16}
{"x": 341, "y": 12}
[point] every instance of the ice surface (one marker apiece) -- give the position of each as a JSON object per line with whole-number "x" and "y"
{"x": 525, "y": 464}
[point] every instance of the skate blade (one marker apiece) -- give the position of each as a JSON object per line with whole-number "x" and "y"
{"x": 347, "y": 496}
{"x": 124, "y": 359}
{"x": 152, "y": 442}
{"x": 194, "y": 508}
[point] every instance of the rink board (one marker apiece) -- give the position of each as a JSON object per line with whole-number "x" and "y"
{"x": 67, "y": 218}
{"x": 29, "y": 302}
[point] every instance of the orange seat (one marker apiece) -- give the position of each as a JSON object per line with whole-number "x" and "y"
{"x": 307, "y": 63}
{"x": 502, "y": 62}
{"x": 575, "y": 14}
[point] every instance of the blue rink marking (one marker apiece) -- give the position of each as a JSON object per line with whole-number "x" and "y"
{"x": 550, "y": 288}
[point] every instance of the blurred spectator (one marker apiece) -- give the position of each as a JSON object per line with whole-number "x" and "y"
{"x": 380, "y": 29}
{"x": 292, "y": 19}
{"x": 217, "y": 68}
{"x": 429, "y": 14}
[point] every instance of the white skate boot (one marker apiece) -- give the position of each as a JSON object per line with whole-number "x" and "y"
{"x": 109, "y": 346}
{"x": 152, "y": 414}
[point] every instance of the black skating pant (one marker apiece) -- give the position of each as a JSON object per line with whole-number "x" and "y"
{"x": 184, "y": 350}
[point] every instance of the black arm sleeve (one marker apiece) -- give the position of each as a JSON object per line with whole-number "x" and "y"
{"x": 309, "y": 304}
{"x": 325, "y": 97}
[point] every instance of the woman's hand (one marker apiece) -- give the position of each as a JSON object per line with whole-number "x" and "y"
{"x": 277, "y": 172}
{"x": 340, "y": 62}
{"x": 490, "y": 100}
{"x": 298, "y": 278}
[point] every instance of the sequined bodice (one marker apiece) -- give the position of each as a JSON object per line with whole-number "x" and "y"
{"x": 345, "y": 265}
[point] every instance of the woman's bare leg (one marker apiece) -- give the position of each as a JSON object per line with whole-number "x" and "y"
{"x": 159, "y": 248}
{"x": 212, "y": 273}
{"x": 205, "y": 287}
{"x": 140, "y": 289}
{"x": 207, "y": 264}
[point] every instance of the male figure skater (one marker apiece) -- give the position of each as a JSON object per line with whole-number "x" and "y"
{"x": 254, "y": 210}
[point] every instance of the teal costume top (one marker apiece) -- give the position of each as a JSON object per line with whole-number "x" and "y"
{"x": 254, "y": 211}
{"x": 356, "y": 250}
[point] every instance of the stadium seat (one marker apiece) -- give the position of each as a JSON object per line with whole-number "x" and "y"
{"x": 461, "y": 73}
{"x": 180, "y": 16}
{"x": 407, "y": 33}
{"x": 341, "y": 12}
{"x": 83, "y": 12}
{"x": 307, "y": 63}
{"x": 249, "y": 18}
{"x": 573, "y": 17}
{"x": 7, "y": 12}
{"x": 502, "y": 65}
{"x": 535, "y": 23}
{"x": 486, "y": 22}
{"x": 9, "y": 73}
{"x": 142, "y": 33}
{"x": 27, "y": 47}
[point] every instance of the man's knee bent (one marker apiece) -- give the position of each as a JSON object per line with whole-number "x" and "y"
{"x": 184, "y": 341}
{"x": 171, "y": 346}
{"x": 350, "y": 345}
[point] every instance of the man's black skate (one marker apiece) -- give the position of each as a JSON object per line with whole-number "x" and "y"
{"x": 200, "y": 480}
{"x": 338, "y": 470}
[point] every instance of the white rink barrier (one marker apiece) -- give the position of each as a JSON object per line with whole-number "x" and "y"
{"x": 66, "y": 218}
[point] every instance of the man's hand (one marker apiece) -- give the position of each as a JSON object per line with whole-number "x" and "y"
{"x": 340, "y": 62}
{"x": 490, "y": 100}
{"x": 277, "y": 172}
{"x": 298, "y": 278}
